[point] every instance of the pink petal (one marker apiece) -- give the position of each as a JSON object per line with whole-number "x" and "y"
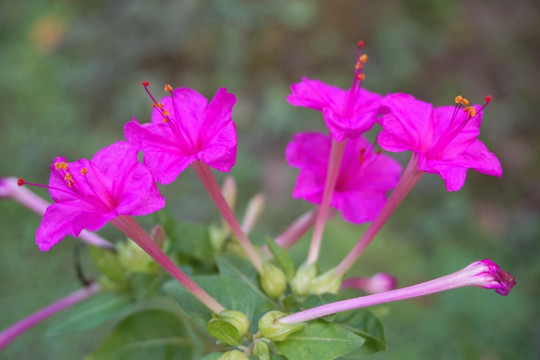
{"x": 478, "y": 157}
{"x": 62, "y": 219}
{"x": 315, "y": 94}
{"x": 360, "y": 206}
{"x": 407, "y": 126}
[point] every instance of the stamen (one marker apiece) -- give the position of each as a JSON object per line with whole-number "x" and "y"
{"x": 458, "y": 99}
{"x": 464, "y": 102}
{"x": 361, "y": 43}
{"x": 145, "y": 83}
{"x": 20, "y": 181}
{"x": 84, "y": 171}
{"x": 487, "y": 99}
{"x": 361, "y": 76}
{"x": 363, "y": 58}
{"x": 61, "y": 165}
{"x": 168, "y": 88}
{"x": 166, "y": 113}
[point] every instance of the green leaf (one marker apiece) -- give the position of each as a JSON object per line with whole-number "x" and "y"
{"x": 242, "y": 269}
{"x": 282, "y": 257}
{"x": 278, "y": 357}
{"x": 224, "y": 331}
{"x": 151, "y": 334}
{"x": 320, "y": 341}
{"x": 362, "y": 322}
{"x": 315, "y": 300}
{"x": 230, "y": 292}
{"x": 92, "y": 312}
{"x": 189, "y": 239}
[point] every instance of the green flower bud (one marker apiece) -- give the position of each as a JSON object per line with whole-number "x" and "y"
{"x": 236, "y": 318}
{"x": 272, "y": 329}
{"x": 134, "y": 259}
{"x": 234, "y": 355}
{"x": 326, "y": 283}
{"x": 273, "y": 280}
{"x": 301, "y": 282}
{"x": 261, "y": 351}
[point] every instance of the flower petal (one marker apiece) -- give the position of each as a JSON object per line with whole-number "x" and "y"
{"x": 62, "y": 219}
{"x": 315, "y": 94}
{"x": 408, "y": 124}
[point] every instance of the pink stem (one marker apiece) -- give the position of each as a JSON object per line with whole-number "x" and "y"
{"x": 483, "y": 273}
{"x": 17, "y": 329}
{"x": 296, "y": 230}
{"x": 408, "y": 180}
{"x": 209, "y": 181}
{"x": 133, "y": 230}
{"x": 334, "y": 164}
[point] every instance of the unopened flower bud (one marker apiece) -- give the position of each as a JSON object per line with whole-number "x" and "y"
{"x": 273, "y": 280}
{"x": 135, "y": 259}
{"x": 237, "y": 319}
{"x": 272, "y": 329}
{"x": 261, "y": 351}
{"x": 326, "y": 283}
{"x": 234, "y": 355}
{"x": 301, "y": 282}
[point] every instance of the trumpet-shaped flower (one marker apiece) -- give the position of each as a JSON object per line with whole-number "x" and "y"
{"x": 186, "y": 128}
{"x": 88, "y": 193}
{"x": 364, "y": 177}
{"x": 347, "y": 113}
{"x": 484, "y": 273}
{"x": 445, "y": 139}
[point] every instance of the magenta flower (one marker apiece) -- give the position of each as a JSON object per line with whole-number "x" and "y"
{"x": 445, "y": 139}
{"x": 186, "y": 128}
{"x": 364, "y": 177}
{"x": 347, "y": 113}
{"x": 88, "y": 193}
{"x": 484, "y": 273}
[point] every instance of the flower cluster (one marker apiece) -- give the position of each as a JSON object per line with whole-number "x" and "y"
{"x": 341, "y": 170}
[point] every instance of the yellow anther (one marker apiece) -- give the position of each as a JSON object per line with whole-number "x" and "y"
{"x": 166, "y": 113}
{"x": 84, "y": 171}
{"x": 361, "y": 77}
{"x": 70, "y": 183}
{"x": 458, "y": 99}
{"x": 464, "y": 102}
{"x": 160, "y": 105}
{"x": 168, "y": 88}
{"x": 471, "y": 111}
{"x": 358, "y": 65}
{"x": 154, "y": 105}
{"x": 60, "y": 165}
{"x": 363, "y": 58}
{"x": 68, "y": 177}
{"x": 165, "y": 120}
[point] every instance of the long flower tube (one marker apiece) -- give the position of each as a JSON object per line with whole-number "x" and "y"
{"x": 17, "y": 329}
{"x": 483, "y": 273}
{"x": 375, "y": 284}
{"x": 133, "y": 230}
{"x": 408, "y": 180}
{"x": 9, "y": 188}
{"x": 212, "y": 187}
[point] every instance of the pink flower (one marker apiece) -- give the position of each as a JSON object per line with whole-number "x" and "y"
{"x": 347, "y": 113}
{"x": 89, "y": 193}
{"x": 484, "y": 273}
{"x": 445, "y": 138}
{"x": 186, "y": 128}
{"x": 363, "y": 180}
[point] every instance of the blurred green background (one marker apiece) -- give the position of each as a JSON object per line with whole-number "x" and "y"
{"x": 70, "y": 74}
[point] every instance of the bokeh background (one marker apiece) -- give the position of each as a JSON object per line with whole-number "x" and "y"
{"x": 70, "y": 74}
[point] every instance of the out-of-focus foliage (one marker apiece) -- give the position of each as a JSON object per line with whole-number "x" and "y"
{"x": 70, "y": 74}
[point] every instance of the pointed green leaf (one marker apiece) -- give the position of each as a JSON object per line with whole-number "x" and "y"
{"x": 362, "y": 322}
{"x": 189, "y": 239}
{"x": 212, "y": 356}
{"x": 320, "y": 340}
{"x": 92, "y": 312}
{"x": 222, "y": 330}
{"x": 282, "y": 257}
{"x": 230, "y": 292}
{"x": 152, "y": 334}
